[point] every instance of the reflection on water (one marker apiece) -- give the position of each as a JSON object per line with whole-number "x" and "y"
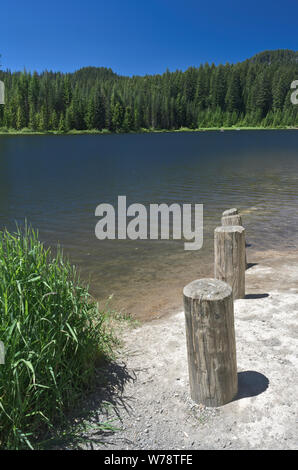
{"x": 57, "y": 182}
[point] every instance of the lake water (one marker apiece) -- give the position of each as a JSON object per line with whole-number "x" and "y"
{"x": 56, "y": 182}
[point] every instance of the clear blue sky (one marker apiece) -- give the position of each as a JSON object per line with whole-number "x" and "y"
{"x": 139, "y": 37}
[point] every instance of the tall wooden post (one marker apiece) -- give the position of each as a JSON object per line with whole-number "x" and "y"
{"x": 211, "y": 346}
{"x": 229, "y": 257}
{"x": 231, "y": 217}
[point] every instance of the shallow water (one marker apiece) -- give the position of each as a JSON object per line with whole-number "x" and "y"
{"x": 56, "y": 182}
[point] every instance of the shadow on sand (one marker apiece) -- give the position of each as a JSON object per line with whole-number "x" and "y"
{"x": 256, "y": 296}
{"x": 251, "y": 265}
{"x": 97, "y": 416}
{"x": 251, "y": 384}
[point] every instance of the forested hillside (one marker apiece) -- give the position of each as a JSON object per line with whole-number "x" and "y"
{"x": 255, "y": 92}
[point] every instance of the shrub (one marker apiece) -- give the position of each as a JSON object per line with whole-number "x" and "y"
{"x": 54, "y": 338}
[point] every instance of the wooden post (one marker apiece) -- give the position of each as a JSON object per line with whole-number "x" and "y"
{"x": 231, "y": 220}
{"x": 230, "y": 261}
{"x": 230, "y": 212}
{"x": 211, "y": 346}
{"x": 231, "y": 217}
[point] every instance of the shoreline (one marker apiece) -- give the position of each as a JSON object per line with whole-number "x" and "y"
{"x": 166, "y": 300}
{"x": 14, "y": 132}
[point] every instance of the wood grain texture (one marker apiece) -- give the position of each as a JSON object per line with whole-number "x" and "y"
{"x": 234, "y": 219}
{"x": 230, "y": 257}
{"x": 211, "y": 346}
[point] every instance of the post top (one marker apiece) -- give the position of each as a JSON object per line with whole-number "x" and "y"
{"x": 230, "y": 228}
{"x": 207, "y": 289}
{"x": 233, "y": 211}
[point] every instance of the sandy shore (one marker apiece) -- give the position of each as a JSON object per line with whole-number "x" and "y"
{"x": 150, "y": 389}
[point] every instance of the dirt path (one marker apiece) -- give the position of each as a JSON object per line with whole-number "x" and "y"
{"x": 150, "y": 388}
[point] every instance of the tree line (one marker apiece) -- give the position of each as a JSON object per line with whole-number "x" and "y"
{"x": 253, "y": 93}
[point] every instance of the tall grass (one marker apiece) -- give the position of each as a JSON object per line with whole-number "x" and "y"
{"x": 54, "y": 337}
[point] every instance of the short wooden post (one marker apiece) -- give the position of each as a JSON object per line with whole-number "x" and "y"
{"x": 230, "y": 260}
{"x": 231, "y": 220}
{"x": 230, "y": 212}
{"x": 211, "y": 345}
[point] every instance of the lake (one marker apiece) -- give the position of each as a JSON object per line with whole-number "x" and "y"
{"x": 56, "y": 182}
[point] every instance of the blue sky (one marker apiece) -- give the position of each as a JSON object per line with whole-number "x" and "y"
{"x": 139, "y": 37}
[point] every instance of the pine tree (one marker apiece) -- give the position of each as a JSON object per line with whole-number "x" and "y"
{"x": 62, "y": 127}
{"x": 117, "y": 116}
{"x": 54, "y": 123}
{"x": 67, "y": 91}
{"x": 233, "y": 97}
{"x": 33, "y": 122}
{"x": 263, "y": 97}
{"x": 128, "y": 121}
{"x": 20, "y": 118}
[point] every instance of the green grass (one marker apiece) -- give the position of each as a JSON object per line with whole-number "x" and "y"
{"x": 55, "y": 337}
